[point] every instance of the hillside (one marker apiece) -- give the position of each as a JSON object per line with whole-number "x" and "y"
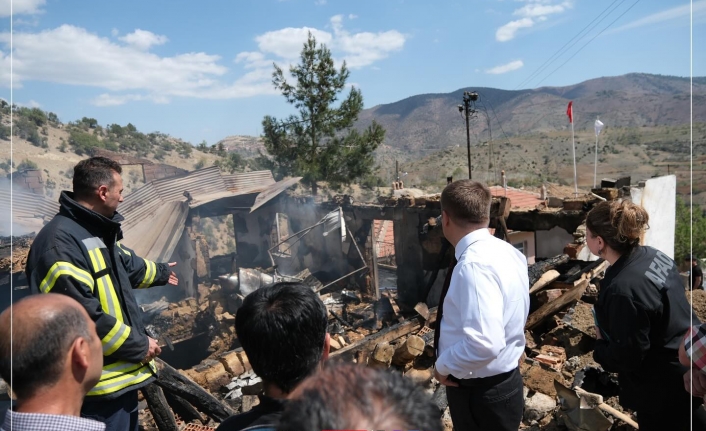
{"x": 431, "y": 121}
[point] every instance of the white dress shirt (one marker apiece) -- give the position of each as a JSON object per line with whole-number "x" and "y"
{"x": 485, "y": 310}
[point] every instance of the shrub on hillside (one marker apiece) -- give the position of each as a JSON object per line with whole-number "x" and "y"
{"x": 83, "y": 143}
{"x": 4, "y": 132}
{"x": 27, "y": 164}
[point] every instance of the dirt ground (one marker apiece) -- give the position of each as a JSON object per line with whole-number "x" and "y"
{"x": 698, "y": 302}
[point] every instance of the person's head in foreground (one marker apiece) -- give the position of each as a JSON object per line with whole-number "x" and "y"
{"x": 282, "y": 329}
{"x": 614, "y": 228}
{"x": 354, "y": 397}
{"x": 50, "y": 353}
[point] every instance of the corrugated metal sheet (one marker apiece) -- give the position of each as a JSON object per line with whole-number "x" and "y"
{"x": 155, "y": 236}
{"x": 140, "y": 204}
{"x": 272, "y": 191}
{"x": 247, "y": 181}
{"x": 28, "y": 204}
{"x": 201, "y": 182}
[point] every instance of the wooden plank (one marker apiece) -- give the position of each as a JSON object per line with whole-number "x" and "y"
{"x": 555, "y": 306}
{"x": 386, "y": 335}
{"x": 544, "y": 280}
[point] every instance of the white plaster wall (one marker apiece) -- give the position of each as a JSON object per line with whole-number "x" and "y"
{"x": 658, "y": 198}
{"x": 528, "y": 237}
{"x": 552, "y": 242}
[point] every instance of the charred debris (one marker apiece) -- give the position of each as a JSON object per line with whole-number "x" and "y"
{"x": 379, "y": 269}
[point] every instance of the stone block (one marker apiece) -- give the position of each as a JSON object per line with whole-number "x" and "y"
{"x": 216, "y": 377}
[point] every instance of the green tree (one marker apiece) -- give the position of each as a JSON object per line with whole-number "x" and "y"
{"x": 320, "y": 143}
{"x": 683, "y": 231}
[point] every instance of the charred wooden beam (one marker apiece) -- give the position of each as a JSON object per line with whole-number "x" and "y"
{"x": 161, "y": 413}
{"x": 173, "y": 381}
{"x": 536, "y": 270}
{"x": 386, "y": 335}
{"x": 182, "y": 408}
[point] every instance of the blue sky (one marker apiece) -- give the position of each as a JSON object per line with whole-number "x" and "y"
{"x": 202, "y": 70}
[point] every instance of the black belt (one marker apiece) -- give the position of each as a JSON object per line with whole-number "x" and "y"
{"x": 484, "y": 381}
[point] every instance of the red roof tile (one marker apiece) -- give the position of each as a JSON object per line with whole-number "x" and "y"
{"x": 518, "y": 198}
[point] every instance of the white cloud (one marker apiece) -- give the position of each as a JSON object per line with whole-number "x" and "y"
{"x": 19, "y": 7}
{"x": 71, "y": 55}
{"x": 114, "y": 32}
{"x": 536, "y": 9}
{"x": 364, "y": 48}
{"x": 533, "y": 12}
{"x": 699, "y": 9}
{"x": 287, "y": 43}
{"x": 507, "y": 32}
{"x": 143, "y": 39}
{"x": 320, "y": 2}
{"x": 106, "y": 99}
{"x": 352, "y": 16}
{"x": 126, "y": 71}
{"x": 509, "y": 67}
{"x": 33, "y": 104}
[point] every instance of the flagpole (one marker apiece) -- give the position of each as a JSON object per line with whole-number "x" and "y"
{"x": 573, "y": 151}
{"x": 595, "y": 163}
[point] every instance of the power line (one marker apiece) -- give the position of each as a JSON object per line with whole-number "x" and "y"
{"x": 559, "y": 51}
{"x": 580, "y": 49}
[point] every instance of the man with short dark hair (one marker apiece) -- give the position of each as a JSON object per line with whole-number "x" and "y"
{"x": 696, "y": 275}
{"x": 352, "y": 397}
{"x": 282, "y": 329}
{"x": 78, "y": 253}
{"x": 52, "y": 356}
{"x": 481, "y": 316}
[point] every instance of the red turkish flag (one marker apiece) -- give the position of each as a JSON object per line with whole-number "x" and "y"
{"x": 570, "y": 112}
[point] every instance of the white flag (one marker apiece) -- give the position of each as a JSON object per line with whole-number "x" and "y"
{"x": 599, "y": 127}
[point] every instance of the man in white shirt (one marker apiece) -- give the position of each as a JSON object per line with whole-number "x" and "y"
{"x": 482, "y": 316}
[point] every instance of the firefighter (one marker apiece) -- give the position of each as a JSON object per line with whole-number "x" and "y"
{"x": 79, "y": 254}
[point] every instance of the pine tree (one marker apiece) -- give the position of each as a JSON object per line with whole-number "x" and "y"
{"x": 320, "y": 144}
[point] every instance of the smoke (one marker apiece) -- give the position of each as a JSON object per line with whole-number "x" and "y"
{"x": 10, "y": 223}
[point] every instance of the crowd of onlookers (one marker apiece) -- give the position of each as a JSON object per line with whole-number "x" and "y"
{"x": 75, "y": 353}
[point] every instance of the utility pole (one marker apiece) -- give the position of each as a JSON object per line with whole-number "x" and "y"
{"x": 469, "y": 108}
{"x": 397, "y": 170}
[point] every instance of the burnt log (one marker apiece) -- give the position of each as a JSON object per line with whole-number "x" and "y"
{"x": 182, "y": 408}
{"x": 161, "y": 413}
{"x": 386, "y": 335}
{"x": 176, "y": 383}
{"x": 536, "y": 270}
{"x": 408, "y": 351}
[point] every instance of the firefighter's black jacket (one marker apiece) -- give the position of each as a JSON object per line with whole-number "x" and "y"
{"x": 78, "y": 254}
{"x": 643, "y": 315}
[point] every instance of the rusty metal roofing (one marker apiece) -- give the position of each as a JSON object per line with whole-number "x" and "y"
{"x": 155, "y": 213}
{"x": 202, "y": 182}
{"x": 248, "y": 181}
{"x": 272, "y": 191}
{"x": 156, "y": 236}
{"x": 29, "y": 210}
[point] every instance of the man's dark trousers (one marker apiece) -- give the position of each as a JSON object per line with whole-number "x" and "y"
{"x": 119, "y": 414}
{"x": 493, "y": 403}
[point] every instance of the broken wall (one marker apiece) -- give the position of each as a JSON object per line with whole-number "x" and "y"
{"x": 658, "y": 198}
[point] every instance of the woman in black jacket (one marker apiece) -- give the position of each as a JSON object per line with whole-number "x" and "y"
{"x": 641, "y": 316}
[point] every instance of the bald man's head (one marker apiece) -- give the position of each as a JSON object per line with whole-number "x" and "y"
{"x": 37, "y": 333}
